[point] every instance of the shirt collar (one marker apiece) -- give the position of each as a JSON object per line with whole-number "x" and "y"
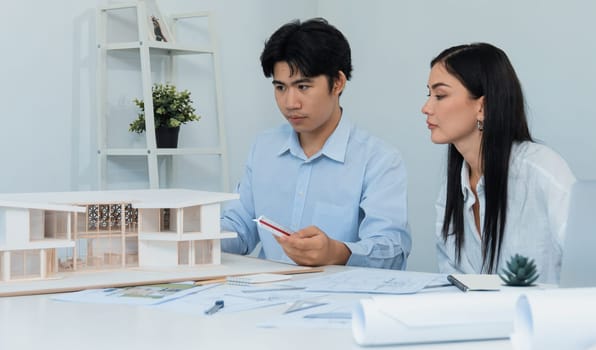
{"x": 465, "y": 181}
{"x": 334, "y": 148}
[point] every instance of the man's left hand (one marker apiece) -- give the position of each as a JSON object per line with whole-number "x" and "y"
{"x": 312, "y": 247}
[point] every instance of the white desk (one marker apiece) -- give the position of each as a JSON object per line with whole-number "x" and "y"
{"x": 35, "y": 322}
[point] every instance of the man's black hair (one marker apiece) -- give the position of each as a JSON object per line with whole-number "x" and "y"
{"x": 312, "y": 48}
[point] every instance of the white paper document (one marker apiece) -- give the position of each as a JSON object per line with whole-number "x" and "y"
{"x": 555, "y": 319}
{"x": 373, "y": 281}
{"x": 138, "y": 295}
{"x": 433, "y": 317}
{"x": 257, "y": 278}
{"x": 190, "y": 299}
{"x": 236, "y": 298}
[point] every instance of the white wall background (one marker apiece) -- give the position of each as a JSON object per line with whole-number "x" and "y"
{"x": 48, "y": 140}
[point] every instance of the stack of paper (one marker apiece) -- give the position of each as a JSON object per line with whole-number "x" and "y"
{"x": 556, "y": 319}
{"x": 257, "y": 278}
{"x": 434, "y": 317}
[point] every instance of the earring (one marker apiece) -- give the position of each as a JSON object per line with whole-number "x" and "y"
{"x": 480, "y": 125}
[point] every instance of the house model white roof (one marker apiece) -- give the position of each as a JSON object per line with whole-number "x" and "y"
{"x": 42, "y": 234}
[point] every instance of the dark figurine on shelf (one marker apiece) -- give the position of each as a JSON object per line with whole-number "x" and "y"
{"x": 520, "y": 271}
{"x": 157, "y": 29}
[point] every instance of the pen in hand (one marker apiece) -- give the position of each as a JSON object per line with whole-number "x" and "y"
{"x": 219, "y": 304}
{"x": 272, "y": 227}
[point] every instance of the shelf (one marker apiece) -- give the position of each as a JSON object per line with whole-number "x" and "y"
{"x": 119, "y": 6}
{"x": 180, "y": 151}
{"x": 135, "y": 38}
{"x": 167, "y": 48}
{"x": 160, "y": 151}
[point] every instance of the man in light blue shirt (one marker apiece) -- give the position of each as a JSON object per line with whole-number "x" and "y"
{"x": 341, "y": 190}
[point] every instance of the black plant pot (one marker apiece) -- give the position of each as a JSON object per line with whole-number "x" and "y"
{"x": 167, "y": 137}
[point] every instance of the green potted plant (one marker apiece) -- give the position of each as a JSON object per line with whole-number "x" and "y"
{"x": 171, "y": 108}
{"x": 521, "y": 271}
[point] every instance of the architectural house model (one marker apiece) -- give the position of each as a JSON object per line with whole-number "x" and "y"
{"x": 42, "y": 234}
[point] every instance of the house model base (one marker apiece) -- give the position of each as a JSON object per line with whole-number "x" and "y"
{"x": 42, "y": 234}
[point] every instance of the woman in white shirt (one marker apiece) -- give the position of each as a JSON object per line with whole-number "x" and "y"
{"x": 504, "y": 193}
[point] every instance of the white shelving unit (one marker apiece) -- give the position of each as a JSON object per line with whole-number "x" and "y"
{"x": 147, "y": 49}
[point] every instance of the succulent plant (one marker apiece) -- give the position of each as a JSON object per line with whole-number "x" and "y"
{"x": 520, "y": 271}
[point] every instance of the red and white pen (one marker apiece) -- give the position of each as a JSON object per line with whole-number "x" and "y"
{"x": 272, "y": 227}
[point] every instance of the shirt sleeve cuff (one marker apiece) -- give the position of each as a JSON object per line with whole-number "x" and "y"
{"x": 361, "y": 257}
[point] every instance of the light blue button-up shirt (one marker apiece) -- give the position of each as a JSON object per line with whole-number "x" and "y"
{"x": 354, "y": 189}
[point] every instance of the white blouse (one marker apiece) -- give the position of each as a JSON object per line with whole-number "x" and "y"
{"x": 539, "y": 187}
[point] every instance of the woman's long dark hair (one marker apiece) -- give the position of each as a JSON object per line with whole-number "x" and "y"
{"x": 485, "y": 71}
